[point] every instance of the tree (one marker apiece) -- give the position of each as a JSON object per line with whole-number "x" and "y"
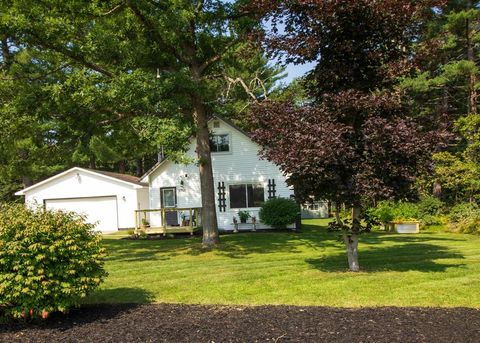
{"x": 130, "y": 59}
{"x": 445, "y": 85}
{"x": 356, "y": 140}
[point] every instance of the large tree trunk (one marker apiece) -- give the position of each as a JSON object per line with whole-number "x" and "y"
{"x": 209, "y": 214}
{"x": 351, "y": 240}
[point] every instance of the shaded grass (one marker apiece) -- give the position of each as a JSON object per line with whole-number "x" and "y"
{"x": 305, "y": 268}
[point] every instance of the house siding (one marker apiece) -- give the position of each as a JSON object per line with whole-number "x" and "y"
{"x": 240, "y": 165}
{"x": 81, "y": 184}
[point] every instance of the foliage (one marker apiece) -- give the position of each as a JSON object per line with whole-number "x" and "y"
{"x": 279, "y": 212}
{"x": 48, "y": 260}
{"x": 243, "y": 215}
{"x": 430, "y": 210}
{"x": 462, "y": 211}
{"x": 333, "y": 156}
{"x": 470, "y": 223}
{"x": 430, "y": 206}
{"x": 458, "y": 176}
{"x": 388, "y": 211}
{"x": 383, "y": 212}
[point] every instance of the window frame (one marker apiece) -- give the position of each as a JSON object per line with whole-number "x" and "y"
{"x": 245, "y": 184}
{"x": 229, "y": 135}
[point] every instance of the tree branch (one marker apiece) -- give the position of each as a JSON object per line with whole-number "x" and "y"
{"x": 7, "y": 58}
{"x": 115, "y": 9}
{"x": 73, "y": 56}
{"x": 152, "y": 30}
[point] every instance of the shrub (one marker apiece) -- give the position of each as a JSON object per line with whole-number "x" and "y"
{"x": 279, "y": 212}
{"x": 430, "y": 206}
{"x": 469, "y": 224}
{"x": 384, "y": 212}
{"x": 405, "y": 211}
{"x": 48, "y": 260}
{"x": 462, "y": 211}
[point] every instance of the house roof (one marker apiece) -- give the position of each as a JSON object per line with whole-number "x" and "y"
{"x": 124, "y": 178}
{"x": 225, "y": 120}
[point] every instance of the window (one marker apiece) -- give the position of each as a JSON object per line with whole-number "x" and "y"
{"x": 220, "y": 143}
{"x": 246, "y": 195}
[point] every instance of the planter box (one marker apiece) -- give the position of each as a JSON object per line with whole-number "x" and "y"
{"x": 407, "y": 227}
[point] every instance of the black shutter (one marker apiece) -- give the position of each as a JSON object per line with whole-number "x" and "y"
{"x": 222, "y": 201}
{"x": 271, "y": 189}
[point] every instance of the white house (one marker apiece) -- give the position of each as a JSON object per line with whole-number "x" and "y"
{"x": 107, "y": 199}
{"x": 243, "y": 181}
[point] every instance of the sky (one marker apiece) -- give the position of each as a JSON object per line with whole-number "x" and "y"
{"x": 295, "y": 71}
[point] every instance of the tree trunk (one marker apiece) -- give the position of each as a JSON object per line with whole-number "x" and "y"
{"x": 122, "y": 167}
{"x": 337, "y": 214}
{"x": 139, "y": 170}
{"x": 209, "y": 213}
{"x": 351, "y": 242}
{"x": 27, "y": 181}
{"x": 92, "y": 163}
{"x": 437, "y": 190}
{"x": 472, "y": 92}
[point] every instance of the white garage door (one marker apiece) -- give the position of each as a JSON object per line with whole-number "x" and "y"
{"x": 99, "y": 210}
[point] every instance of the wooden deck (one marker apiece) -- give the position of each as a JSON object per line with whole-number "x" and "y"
{"x": 169, "y": 229}
{"x": 155, "y": 221}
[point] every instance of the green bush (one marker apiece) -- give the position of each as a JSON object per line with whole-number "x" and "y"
{"x": 48, "y": 260}
{"x": 384, "y": 212}
{"x": 462, "y": 211}
{"x": 405, "y": 211}
{"x": 469, "y": 224}
{"x": 430, "y": 206}
{"x": 387, "y": 211}
{"x": 279, "y": 212}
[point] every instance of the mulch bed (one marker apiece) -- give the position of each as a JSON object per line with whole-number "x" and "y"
{"x": 185, "y": 323}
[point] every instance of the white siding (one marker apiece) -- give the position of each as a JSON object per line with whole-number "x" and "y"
{"x": 79, "y": 184}
{"x": 241, "y": 165}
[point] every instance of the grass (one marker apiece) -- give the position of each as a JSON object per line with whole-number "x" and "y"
{"x": 307, "y": 268}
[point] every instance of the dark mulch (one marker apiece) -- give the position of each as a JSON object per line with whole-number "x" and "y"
{"x": 183, "y": 323}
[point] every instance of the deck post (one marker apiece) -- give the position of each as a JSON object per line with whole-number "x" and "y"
{"x": 190, "y": 221}
{"x": 164, "y": 222}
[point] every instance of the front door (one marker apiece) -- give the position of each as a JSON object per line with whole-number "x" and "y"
{"x": 169, "y": 200}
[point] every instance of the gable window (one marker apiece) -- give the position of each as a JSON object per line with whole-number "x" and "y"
{"x": 220, "y": 143}
{"x": 246, "y": 195}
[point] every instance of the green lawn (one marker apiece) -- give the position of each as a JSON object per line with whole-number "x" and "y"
{"x": 307, "y": 268}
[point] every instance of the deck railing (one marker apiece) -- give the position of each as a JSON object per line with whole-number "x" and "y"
{"x": 156, "y": 221}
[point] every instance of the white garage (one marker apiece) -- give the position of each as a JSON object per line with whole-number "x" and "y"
{"x": 107, "y": 199}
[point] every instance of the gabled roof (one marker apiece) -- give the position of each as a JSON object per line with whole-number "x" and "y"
{"x": 123, "y": 178}
{"x": 225, "y": 120}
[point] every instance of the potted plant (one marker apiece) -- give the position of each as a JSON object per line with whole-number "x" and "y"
{"x": 145, "y": 223}
{"x": 185, "y": 222}
{"x": 243, "y": 215}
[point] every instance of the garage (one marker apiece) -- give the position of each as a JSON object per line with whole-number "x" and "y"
{"x": 101, "y": 211}
{"x": 107, "y": 199}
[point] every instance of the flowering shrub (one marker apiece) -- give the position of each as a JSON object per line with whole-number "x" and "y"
{"x": 48, "y": 260}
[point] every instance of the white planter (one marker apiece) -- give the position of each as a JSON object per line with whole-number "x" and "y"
{"x": 407, "y": 227}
